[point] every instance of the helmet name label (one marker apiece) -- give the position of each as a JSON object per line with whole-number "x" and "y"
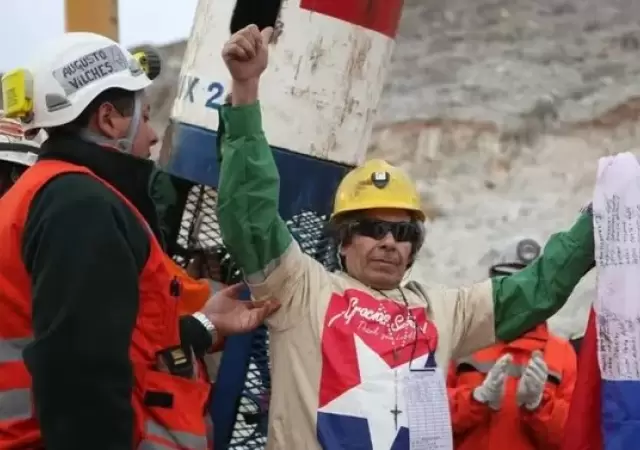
{"x": 90, "y": 68}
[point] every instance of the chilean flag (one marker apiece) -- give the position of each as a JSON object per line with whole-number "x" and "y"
{"x": 603, "y": 414}
{"x": 369, "y": 345}
{"x": 605, "y": 408}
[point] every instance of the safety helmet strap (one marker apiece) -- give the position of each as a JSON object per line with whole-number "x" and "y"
{"x": 125, "y": 145}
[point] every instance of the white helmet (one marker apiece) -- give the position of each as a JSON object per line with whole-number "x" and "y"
{"x": 14, "y": 147}
{"x": 72, "y": 71}
{"x": 516, "y": 255}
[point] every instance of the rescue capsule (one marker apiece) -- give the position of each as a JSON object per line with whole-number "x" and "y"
{"x": 327, "y": 66}
{"x": 319, "y": 95}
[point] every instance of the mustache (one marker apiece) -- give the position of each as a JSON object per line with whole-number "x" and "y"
{"x": 389, "y": 255}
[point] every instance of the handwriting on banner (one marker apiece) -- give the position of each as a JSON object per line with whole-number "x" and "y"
{"x": 618, "y": 232}
{"x": 193, "y": 89}
{"x": 616, "y": 219}
{"x": 619, "y": 346}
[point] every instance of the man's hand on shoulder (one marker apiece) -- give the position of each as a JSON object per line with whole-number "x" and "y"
{"x": 231, "y": 315}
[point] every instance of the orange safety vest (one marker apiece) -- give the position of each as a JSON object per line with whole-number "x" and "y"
{"x": 157, "y": 327}
{"x": 194, "y": 293}
{"x": 476, "y": 427}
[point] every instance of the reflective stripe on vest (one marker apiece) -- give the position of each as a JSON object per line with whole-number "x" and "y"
{"x": 15, "y": 404}
{"x": 151, "y": 445}
{"x": 514, "y": 370}
{"x": 11, "y": 349}
{"x": 173, "y": 439}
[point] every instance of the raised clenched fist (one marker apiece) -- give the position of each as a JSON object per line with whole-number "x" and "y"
{"x": 246, "y": 53}
{"x": 230, "y": 315}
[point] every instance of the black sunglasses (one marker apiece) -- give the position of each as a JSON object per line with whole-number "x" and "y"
{"x": 378, "y": 229}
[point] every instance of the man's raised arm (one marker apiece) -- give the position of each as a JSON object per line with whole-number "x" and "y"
{"x": 534, "y": 294}
{"x": 509, "y": 306}
{"x": 248, "y": 196}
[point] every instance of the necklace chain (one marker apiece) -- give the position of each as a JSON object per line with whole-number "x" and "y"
{"x": 396, "y": 411}
{"x": 406, "y": 316}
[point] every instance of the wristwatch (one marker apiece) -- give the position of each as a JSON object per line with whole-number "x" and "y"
{"x": 210, "y": 327}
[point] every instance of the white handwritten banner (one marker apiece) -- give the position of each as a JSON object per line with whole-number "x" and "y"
{"x": 616, "y": 217}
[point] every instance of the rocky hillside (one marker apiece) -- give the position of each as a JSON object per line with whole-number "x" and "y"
{"x": 501, "y": 108}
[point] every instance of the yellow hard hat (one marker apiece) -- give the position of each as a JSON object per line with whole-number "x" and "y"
{"x": 377, "y": 184}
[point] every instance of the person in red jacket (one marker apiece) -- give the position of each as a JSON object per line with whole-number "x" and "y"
{"x": 513, "y": 395}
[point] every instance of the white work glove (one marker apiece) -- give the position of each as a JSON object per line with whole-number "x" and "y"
{"x": 491, "y": 391}
{"x": 532, "y": 382}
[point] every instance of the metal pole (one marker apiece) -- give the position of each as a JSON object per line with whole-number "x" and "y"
{"x": 96, "y": 16}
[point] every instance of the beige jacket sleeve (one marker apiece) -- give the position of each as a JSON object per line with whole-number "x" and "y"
{"x": 464, "y": 316}
{"x": 295, "y": 281}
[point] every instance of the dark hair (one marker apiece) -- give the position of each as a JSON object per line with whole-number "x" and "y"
{"x": 340, "y": 227}
{"x": 123, "y": 101}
